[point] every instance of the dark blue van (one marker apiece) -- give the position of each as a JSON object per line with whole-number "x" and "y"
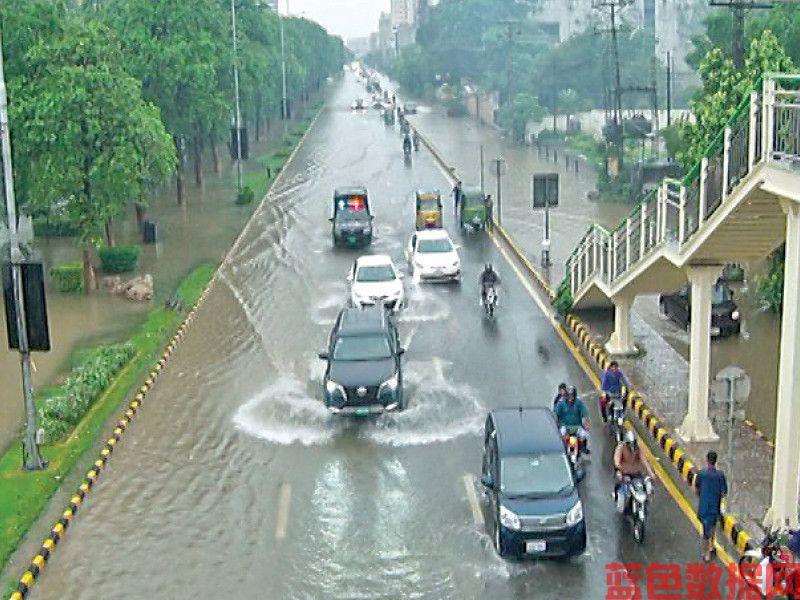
{"x": 534, "y": 507}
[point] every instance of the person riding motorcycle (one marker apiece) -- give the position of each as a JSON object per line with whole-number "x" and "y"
{"x": 629, "y": 461}
{"x": 561, "y": 395}
{"x": 415, "y": 139}
{"x": 406, "y": 145}
{"x": 613, "y": 382}
{"x": 488, "y": 279}
{"x": 573, "y": 417}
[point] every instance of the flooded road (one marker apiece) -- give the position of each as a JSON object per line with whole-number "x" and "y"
{"x": 235, "y": 482}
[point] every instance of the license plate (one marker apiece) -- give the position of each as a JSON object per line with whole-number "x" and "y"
{"x": 535, "y": 546}
{"x": 715, "y": 331}
{"x": 352, "y": 239}
{"x": 362, "y": 412}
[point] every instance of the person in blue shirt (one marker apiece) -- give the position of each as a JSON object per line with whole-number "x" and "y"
{"x": 711, "y": 487}
{"x": 613, "y": 382}
{"x": 572, "y": 416}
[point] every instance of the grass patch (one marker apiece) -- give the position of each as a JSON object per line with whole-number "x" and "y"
{"x": 24, "y": 495}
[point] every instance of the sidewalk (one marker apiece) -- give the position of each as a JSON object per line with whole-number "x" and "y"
{"x": 661, "y": 373}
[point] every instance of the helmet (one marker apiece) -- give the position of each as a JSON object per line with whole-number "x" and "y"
{"x": 572, "y": 392}
{"x": 630, "y": 438}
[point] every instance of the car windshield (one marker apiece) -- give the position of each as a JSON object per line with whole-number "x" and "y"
{"x": 375, "y": 273}
{"x": 473, "y": 199}
{"x": 440, "y": 245}
{"x": 367, "y": 347}
{"x": 427, "y": 204}
{"x": 352, "y": 215}
{"x": 535, "y": 475}
{"x": 720, "y": 294}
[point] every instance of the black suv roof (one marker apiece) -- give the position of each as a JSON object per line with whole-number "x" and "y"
{"x": 526, "y": 430}
{"x": 350, "y": 190}
{"x": 357, "y": 321}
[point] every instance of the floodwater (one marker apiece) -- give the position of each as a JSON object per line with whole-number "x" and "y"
{"x": 199, "y": 231}
{"x": 235, "y": 482}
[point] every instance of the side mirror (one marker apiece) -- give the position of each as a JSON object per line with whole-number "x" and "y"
{"x": 323, "y": 355}
{"x": 486, "y": 481}
{"x": 401, "y": 351}
{"x": 331, "y": 219}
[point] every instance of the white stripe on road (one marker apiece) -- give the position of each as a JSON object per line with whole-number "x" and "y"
{"x": 472, "y": 497}
{"x": 283, "y": 511}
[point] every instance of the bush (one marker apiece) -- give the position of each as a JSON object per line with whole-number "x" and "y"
{"x": 246, "y": 196}
{"x": 62, "y": 411}
{"x": 53, "y": 227}
{"x": 769, "y": 286}
{"x": 563, "y": 301}
{"x": 68, "y": 277}
{"x": 119, "y": 259}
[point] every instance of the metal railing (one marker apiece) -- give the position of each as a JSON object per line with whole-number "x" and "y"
{"x": 764, "y": 128}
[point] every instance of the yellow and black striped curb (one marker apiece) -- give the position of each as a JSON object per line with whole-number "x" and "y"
{"x": 59, "y": 529}
{"x": 597, "y": 353}
{"x": 61, "y": 526}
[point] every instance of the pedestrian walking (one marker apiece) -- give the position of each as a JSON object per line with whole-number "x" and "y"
{"x": 711, "y": 487}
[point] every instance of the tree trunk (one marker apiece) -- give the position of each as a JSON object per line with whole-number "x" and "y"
{"x": 198, "y": 158}
{"x": 89, "y": 276}
{"x": 180, "y": 179}
{"x": 140, "y": 214}
{"x": 215, "y": 155}
{"x": 109, "y": 233}
{"x": 258, "y": 118}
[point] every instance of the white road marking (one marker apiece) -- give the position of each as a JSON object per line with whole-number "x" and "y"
{"x": 472, "y": 497}
{"x": 283, "y": 511}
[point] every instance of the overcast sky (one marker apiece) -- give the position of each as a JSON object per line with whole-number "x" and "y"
{"x": 347, "y": 18}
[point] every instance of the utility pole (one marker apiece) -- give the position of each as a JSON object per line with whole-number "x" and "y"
{"x": 236, "y": 94}
{"x": 31, "y": 456}
{"x": 669, "y": 89}
{"x": 284, "y": 98}
{"x": 511, "y": 31}
{"x": 498, "y": 163}
{"x": 738, "y": 8}
{"x": 483, "y": 162}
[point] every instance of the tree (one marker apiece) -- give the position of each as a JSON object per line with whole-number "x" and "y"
{"x": 516, "y": 116}
{"x": 83, "y": 134}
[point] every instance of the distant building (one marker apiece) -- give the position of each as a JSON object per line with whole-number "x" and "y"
{"x": 385, "y": 34}
{"x": 404, "y": 12}
{"x": 358, "y": 45}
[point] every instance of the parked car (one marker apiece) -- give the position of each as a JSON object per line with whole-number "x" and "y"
{"x": 375, "y": 280}
{"x": 410, "y": 108}
{"x": 534, "y": 507}
{"x": 364, "y": 373}
{"x": 725, "y": 316}
{"x": 432, "y": 256}
{"x": 358, "y": 104}
{"x": 351, "y": 222}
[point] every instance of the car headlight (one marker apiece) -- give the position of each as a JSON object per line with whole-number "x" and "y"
{"x": 389, "y": 386}
{"x": 575, "y": 514}
{"x": 735, "y": 315}
{"x": 509, "y": 519}
{"x": 334, "y": 388}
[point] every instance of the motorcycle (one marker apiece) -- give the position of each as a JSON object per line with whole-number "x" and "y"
{"x": 769, "y": 569}
{"x": 574, "y": 447}
{"x": 636, "y": 492}
{"x": 416, "y": 143}
{"x": 614, "y": 410}
{"x": 490, "y": 301}
{"x": 407, "y": 149}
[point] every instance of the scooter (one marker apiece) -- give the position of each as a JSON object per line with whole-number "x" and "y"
{"x": 574, "y": 447}
{"x": 635, "y": 492}
{"x": 490, "y": 302}
{"x": 615, "y": 415}
{"x": 768, "y": 569}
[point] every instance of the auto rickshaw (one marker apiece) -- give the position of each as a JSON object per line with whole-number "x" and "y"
{"x": 428, "y": 209}
{"x": 474, "y": 208}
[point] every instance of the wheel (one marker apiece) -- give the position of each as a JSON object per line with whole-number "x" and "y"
{"x": 498, "y": 542}
{"x": 638, "y": 530}
{"x": 750, "y": 571}
{"x": 688, "y": 327}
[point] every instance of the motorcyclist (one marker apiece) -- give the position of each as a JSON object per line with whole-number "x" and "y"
{"x": 573, "y": 417}
{"x": 406, "y": 145}
{"x": 415, "y": 139}
{"x": 561, "y": 395}
{"x": 488, "y": 279}
{"x": 629, "y": 461}
{"x": 613, "y": 381}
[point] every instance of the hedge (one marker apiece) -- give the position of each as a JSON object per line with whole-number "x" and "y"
{"x": 246, "y": 196}
{"x": 62, "y": 409}
{"x": 119, "y": 259}
{"x": 68, "y": 276}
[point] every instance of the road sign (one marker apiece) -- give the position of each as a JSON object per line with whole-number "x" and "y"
{"x": 545, "y": 190}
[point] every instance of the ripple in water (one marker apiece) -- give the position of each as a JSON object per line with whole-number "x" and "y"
{"x": 285, "y": 413}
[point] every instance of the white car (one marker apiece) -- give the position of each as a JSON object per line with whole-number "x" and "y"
{"x": 374, "y": 279}
{"x": 432, "y": 256}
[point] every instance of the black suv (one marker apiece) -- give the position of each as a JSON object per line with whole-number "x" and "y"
{"x": 534, "y": 507}
{"x": 351, "y": 220}
{"x": 364, "y": 374}
{"x": 725, "y": 316}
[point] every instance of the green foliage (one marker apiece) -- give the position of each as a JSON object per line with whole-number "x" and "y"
{"x": 68, "y": 277}
{"x": 413, "y": 71}
{"x": 769, "y": 286}
{"x": 563, "y": 301}
{"x": 674, "y": 139}
{"x": 52, "y": 228}
{"x": 516, "y": 115}
{"x": 119, "y": 259}
{"x": 246, "y": 196}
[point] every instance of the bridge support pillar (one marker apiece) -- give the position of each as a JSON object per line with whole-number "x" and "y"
{"x": 621, "y": 342}
{"x": 786, "y": 468}
{"x": 696, "y": 425}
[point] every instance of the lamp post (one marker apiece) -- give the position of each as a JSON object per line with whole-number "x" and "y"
{"x": 236, "y": 95}
{"x": 32, "y": 457}
{"x": 284, "y": 99}
{"x": 498, "y": 164}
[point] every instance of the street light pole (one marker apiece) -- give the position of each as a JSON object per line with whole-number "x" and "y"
{"x": 498, "y": 162}
{"x": 284, "y": 99}
{"x": 236, "y": 94}
{"x": 31, "y": 456}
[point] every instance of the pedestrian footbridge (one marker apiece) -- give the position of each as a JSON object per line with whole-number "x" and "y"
{"x": 738, "y": 204}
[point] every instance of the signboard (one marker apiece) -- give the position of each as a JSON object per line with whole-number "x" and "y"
{"x": 545, "y": 190}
